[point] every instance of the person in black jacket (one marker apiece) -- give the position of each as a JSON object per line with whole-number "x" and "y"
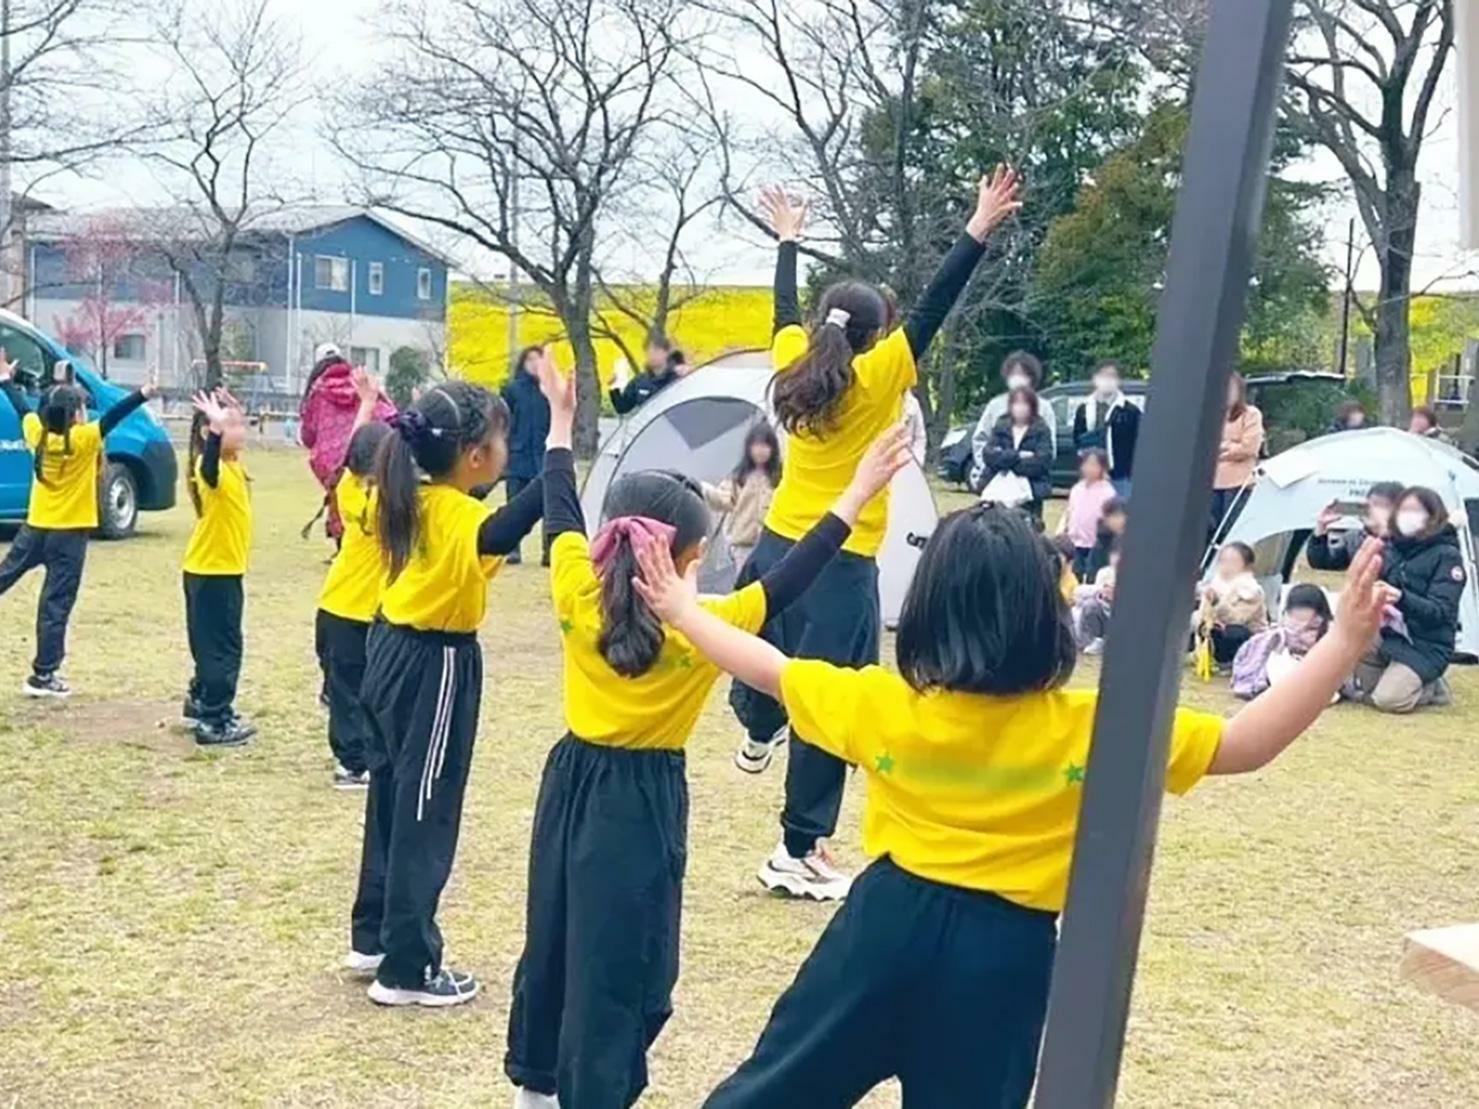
{"x": 528, "y": 428}
{"x": 1109, "y": 421}
{"x": 664, "y": 366}
{"x": 1334, "y": 550}
{"x": 1112, "y": 521}
{"x": 1021, "y": 444}
{"x": 1424, "y": 562}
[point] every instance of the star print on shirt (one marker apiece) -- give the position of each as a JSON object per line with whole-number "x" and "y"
{"x": 1074, "y": 775}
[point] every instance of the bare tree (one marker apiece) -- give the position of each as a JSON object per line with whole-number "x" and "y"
{"x": 1364, "y": 75}
{"x": 512, "y": 124}
{"x": 230, "y": 80}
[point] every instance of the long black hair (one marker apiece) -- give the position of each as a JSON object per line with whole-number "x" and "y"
{"x": 57, "y": 412}
{"x": 433, "y": 433}
{"x": 806, "y": 394}
{"x": 631, "y": 634}
{"x": 760, "y": 432}
{"x": 364, "y": 447}
{"x": 1305, "y": 595}
{"x": 199, "y": 425}
{"x": 984, "y": 613}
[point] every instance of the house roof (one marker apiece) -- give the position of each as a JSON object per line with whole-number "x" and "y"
{"x": 55, "y": 226}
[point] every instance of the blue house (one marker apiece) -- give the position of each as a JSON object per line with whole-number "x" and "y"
{"x": 297, "y": 278}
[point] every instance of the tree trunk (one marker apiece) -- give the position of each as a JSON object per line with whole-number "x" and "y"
{"x": 1393, "y": 337}
{"x": 576, "y": 312}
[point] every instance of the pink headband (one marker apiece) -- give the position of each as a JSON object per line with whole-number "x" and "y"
{"x": 635, "y": 530}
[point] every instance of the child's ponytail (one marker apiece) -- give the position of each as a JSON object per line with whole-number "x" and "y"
{"x": 653, "y": 506}
{"x": 57, "y": 413}
{"x": 398, "y": 483}
{"x": 807, "y": 394}
{"x": 199, "y": 428}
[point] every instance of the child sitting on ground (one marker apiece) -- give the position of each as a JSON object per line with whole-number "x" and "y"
{"x": 1095, "y": 604}
{"x": 1112, "y": 521}
{"x": 1272, "y": 655}
{"x": 1234, "y": 608}
{"x": 1086, "y": 502}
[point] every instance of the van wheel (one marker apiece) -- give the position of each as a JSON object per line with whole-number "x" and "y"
{"x": 119, "y": 510}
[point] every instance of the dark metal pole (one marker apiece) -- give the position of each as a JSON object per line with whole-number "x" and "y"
{"x": 1218, "y": 212}
{"x": 1345, "y": 300}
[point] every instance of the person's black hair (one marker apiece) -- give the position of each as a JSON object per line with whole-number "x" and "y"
{"x": 364, "y": 446}
{"x": 984, "y": 613}
{"x": 524, "y": 356}
{"x": 432, "y": 435}
{"x": 1022, "y": 360}
{"x": 1426, "y": 413}
{"x": 1236, "y": 409}
{"x": 1110, "y": 364}
{"x": 760, "y": 432}
{"x": 199, "y": 427}
{"x": 631, "y": 633}
{"x": 807, "y": 394}
{"x": 659, "y": 343}
{"x": 1436, "y": 509}
{"x": 1096, "y": 452}
{"x": 1386, "y": 490}
{"x": 1063, "y": 548}
{"x": 1114, "y": 506}
{"x": 317, "y": 372}
{"x": 676, "y": 358}
{"x": 1029, "y": 396}
{"x": 1305, "y": 595}
{"x": 1245, "y": 552}
{"x": 57, "y": 412}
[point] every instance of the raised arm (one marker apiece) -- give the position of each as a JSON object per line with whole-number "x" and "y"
{"x": 1276, "y": 718}
{"x": 998, "y": 197}
{"x": 8, "y": 386}
{"x": 562, "y": 511}
{"x": 787, "y": 219}
{"x": 126, "y": 407}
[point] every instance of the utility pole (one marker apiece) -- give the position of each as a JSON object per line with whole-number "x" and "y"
{"x": 7, "y": 215}
{"x": 513, "y": 267}
{"x": 1345, "y": 300}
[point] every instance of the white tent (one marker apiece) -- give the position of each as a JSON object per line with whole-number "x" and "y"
{"x": 697, "y": 426}
{"x": 1291, "y": 489}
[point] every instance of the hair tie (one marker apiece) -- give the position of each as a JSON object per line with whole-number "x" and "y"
{"x": 838, "y": 317}
{"x": 411, "y": 424}
{"x": 634, "y": 529}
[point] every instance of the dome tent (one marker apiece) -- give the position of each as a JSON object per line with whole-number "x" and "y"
{"x": 1290, "y": 490}
{"x": 697, "y": 427}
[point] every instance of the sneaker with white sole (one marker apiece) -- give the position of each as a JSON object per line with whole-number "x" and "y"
{"x": 754, "y": 755}
{"x": 45, "y": 685}
{"x": 357, "y": 962}
{"x": 812, "y": 877}
{"x": 448, "y": 988}
{"x": 345, "y": 778}
{"x": 528, "y": 1099}
{"x": 1094, "y": 647}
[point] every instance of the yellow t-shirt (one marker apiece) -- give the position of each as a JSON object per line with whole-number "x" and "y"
{"x": 657, "y": 709}
{"x": 819, "y": 467}
{"x": 970, "y": 789}
{"x": 357, "y": 577}
{"x": 444, "y": 586}
{"x": 223, "y": 531}
{"x": 66, "y": 494}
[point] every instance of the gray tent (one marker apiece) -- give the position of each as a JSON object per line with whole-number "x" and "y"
{"x": 697, "y": 426}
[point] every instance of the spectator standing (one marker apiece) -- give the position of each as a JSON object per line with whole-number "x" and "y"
{"x": 1019, "y": 370}
{"x": 1109, "y": 421}
{"x": 528, "y": 428}
{"x": 1242, "y": 443}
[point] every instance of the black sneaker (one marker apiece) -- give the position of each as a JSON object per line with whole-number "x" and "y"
{"x": 45, "y": 685}
{"x": 345, "y": 778}
{"x": 190, "y": 711}
{"x": 448, "y": 988}
{"x": 231, "y": 732}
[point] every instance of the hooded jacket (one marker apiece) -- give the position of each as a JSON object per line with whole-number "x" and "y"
{"x": 1429, "y": 570}
{"x": 327, "y": 423}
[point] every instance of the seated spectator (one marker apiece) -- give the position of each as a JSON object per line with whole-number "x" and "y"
{"x": 1424, "y": 423}
{"x": 1424, "y": 563}
{"x": 1112, "y": 523}
{"x": 1095, "y": 604}
{"x": 1273, "y": 654}
{"x": 1234, "y": 608}
{"x": 1086, "y": 501}
{"x": 1350, "y": 416}
{"x": 1334, "y": 551}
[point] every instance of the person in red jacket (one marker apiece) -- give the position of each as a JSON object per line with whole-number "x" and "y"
{"x": 327, "y": 420}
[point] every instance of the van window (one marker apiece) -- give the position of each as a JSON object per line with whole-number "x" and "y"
{"x": 33, "y": 361}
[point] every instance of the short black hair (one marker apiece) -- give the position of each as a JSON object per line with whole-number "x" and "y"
{"x": 1028, "y": 363}
{"x": 1386, "y": 490}
{"x": 1115, "y": 506}
{"x": 1244, "y": 551}
{"x": 1305, "y": 595}
{"x": 984, "y": 613}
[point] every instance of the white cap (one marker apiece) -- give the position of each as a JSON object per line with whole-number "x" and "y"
{"x": 326, "y": 350}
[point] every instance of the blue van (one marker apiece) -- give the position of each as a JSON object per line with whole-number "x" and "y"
{"x": 141, "y": 468}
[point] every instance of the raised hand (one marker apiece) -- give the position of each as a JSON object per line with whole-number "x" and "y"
{"x": 210, "y": 406}
{"x": 559, "y": 390}
{"x": 150, "y": 388}
{"x": 1365, "y": 598}
{"x": 998, "y": 197}
{"x": 7, "y": 367}
{"x": 787, "y": 216}
{"x": 1327, "y": 518}
{"x": 669, "y": 594}
{"x": 365, "y": 386}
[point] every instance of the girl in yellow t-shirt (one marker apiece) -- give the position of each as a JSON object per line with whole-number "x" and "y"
{"x": 440, "y": 546}
{"x": 936, "y": 970}
{"x": 215, "y": 567}
{"x": 63, "y": 512}
{"x": 594, "y": 985}
{"x": 837, "y": 387}
{"x": 351, "y": 591}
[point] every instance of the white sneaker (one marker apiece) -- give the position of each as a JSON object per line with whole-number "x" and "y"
{"x": 360, "y": 963}
{"x": 448, "y": 988}
{"x": 1095, "y": 648}
{"x": 753, "y": 756}
{"x": 813, "y": 877}
{"x": 528, "y": 1099}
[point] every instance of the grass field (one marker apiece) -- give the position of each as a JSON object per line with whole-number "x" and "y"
{"x": 171, "y": 920}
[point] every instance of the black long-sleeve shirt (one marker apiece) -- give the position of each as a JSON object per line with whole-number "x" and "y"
{"x": 110, "y": 419}
{"x": 503, "y": 531}
{"x": 785, "y": 582}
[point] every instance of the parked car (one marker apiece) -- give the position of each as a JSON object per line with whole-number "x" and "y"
{"x": 1288, "y": 400}
{"x": 141, "y": 469}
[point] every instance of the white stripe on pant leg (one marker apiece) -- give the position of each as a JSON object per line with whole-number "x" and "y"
{"x": 424, "y": 794}
{"x": 436, "y": 775}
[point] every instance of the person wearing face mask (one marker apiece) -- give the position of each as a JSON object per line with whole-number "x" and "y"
{"x": 1404, "y": 669}
{"x": 1020, "y": 445}
{"x": 1108, "y": 421}
{"x": 1333, "y": 550}
{"x": 1272, "y": 655}
{"x": 1019, "y": 370}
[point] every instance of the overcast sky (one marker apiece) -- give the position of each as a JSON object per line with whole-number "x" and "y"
{"x": 340, "y": 41}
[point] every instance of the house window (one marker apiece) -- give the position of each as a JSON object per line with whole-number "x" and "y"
{"x": 129, "y": 348}
{"x": 368, "y": 357}
{"x": 377, "y": 278}
{"x": 423, "y": 284}
{"x": 331, "y": 273}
